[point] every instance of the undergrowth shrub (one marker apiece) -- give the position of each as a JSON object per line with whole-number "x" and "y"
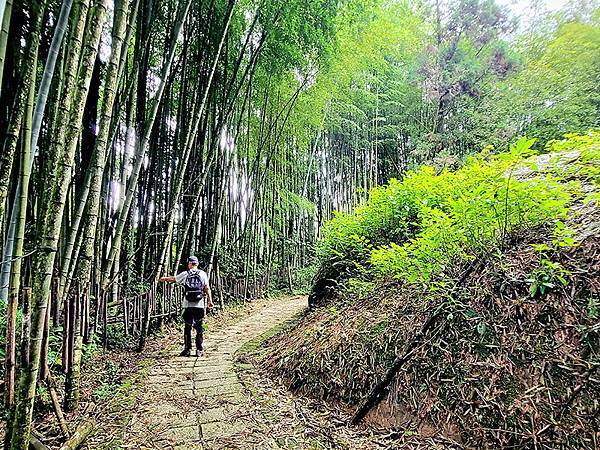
{"x": 303, "y": 278}
{"x": 116, "y": 337}
{"x": 416, "y": 228}
{"x": 588, "y": 164}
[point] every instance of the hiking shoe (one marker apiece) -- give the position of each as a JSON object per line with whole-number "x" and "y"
{"x": 185, "y": 352}
{"x": 199, "y": 353}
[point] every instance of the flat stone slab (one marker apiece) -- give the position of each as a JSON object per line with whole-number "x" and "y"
{"x": 181, "y": 435}
{"x": 219, "y": 414}
{"x": 211, "y": 382}
{"x": 188, "y": 446}
{"x": 216, "y": 401}
{"x": 224, "y": 389}
{"x": 221, "y": 367}
{"x": 217, "y": 430}
{"x": 213, "y": 375}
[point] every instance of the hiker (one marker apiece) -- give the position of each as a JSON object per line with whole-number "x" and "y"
{"x": 197, "y": 290}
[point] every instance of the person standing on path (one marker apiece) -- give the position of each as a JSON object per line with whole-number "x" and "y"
{"x": 197, "y": 292}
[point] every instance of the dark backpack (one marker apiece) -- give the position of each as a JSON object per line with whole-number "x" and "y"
{"x": 194, "y": 287}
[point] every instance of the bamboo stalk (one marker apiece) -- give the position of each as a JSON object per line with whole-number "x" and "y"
{"x": 25, "y": 334}
{"x": 36, "y": 444}
{"x": 79, "y": 436}
{"x": 56, "y": 405}
{"x": 44, "y": 370}
{"x": 9, "y": 361}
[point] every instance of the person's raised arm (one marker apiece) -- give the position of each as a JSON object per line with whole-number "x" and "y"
{"x": 167, "y": 279}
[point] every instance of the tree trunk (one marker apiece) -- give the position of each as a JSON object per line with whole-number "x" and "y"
{"x": 5, "y": 15}
{"x": 58, "y": 140}
{"x": 42, "y": 95}
{"x": 43, "y": 261}
{"x": 79, "y": 436}
{"x": 20, "y": 106}
{"x": 21, "y": 200}
{"x": 9, "y": 359}
{"x": 39, "y": 111}
{"x": 142, "y": 147}
{"x": 89, "y": 199}
{"x": 74, "y": 371}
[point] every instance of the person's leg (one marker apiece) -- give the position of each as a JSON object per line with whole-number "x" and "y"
{"x": 199, "y": 315}
{"x": 188, "y": 320}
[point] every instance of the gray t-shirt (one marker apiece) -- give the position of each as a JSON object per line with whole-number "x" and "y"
{"x": 180, "y": 279}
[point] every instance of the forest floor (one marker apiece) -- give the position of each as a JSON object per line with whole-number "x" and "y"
{"x": 223, "y": 401}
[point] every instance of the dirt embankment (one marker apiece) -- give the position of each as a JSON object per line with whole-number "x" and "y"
{"x": 512, "y": 360}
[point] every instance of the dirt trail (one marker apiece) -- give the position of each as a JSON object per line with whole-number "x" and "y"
{"x": 194, "y": 402}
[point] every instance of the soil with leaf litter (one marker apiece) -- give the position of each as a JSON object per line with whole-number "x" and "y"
{"x": 501, "y": 367}
{"x": 282, "y": 419}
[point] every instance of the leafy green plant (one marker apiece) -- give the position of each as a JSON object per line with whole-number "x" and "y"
{"x": 117, "y": 338}
{"x": 303, "y": 278}
{"x": 359, "y": 288}
{"x": 593, "y": 308}
{"x": 136, "y": 287}
{"x": 112, "y": 369}
{"x": 89, "y": 350}
{"x": 413, "y": 229}
{"x": 104, "y": 392}
{"x": 546, "y": 277}
{"x": 587, "y": 169}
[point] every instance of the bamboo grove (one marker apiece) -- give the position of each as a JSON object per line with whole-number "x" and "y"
{"x": 137, "y": 132}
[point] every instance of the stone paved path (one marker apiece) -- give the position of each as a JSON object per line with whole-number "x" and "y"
{"x": 194, "y": 402}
